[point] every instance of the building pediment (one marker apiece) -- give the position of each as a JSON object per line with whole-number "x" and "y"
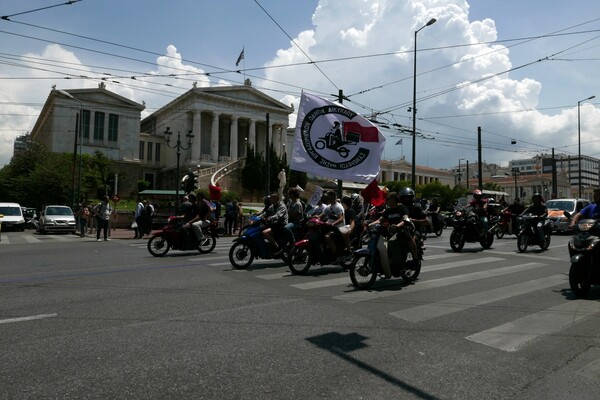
{"x": 102, "y": 96}
{"x": 245, "y": 93}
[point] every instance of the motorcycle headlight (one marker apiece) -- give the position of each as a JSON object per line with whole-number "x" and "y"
{"x": 586, "y": 225}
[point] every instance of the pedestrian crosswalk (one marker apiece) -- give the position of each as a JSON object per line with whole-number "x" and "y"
{"x": 518, "y": 275}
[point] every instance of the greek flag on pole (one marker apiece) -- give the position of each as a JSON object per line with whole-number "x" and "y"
{"x": 335, "y": 142}
{"x": 240, "y": 58}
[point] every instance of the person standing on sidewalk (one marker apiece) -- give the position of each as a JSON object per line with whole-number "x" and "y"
{"x": 139, "y": 232}
{"x": 103, "y": 212}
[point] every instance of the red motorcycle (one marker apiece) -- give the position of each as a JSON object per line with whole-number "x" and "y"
{"x": 175, "y": 236}
{"x": 504, "y": 226}
{"x": 313, "y": 249}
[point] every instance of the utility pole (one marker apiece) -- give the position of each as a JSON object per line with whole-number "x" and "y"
{"x": 479, "y": 168}
{"x": 268, "y": 158}
{"x": 340, "y": 183}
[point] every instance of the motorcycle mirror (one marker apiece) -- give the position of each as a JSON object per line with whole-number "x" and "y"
{"x": 567, "y": 214}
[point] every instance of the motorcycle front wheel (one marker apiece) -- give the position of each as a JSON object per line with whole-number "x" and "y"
{"x": 299, "y": 260}
{"x": 362, "y": 274}
{"x": 546, "y": 243}
{"x": 208, "y": 244}
{"x": 241, "y": 255}
{"x": 158, "y": 246}
{"x": 580, "y": 280}
{"x": 457, "y": 241}
{"x": 487, "y": 241}
{"x": 500, "y": 232}
{"x": 522, "y": 242}
{"x": 439, "y": 230}
{"x": 412, "y": 269}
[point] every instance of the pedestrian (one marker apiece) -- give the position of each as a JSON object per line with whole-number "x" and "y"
{"x": 139, "y": 209}
{"x": 84, "y": 215}
{"x": 103, "y": 212}
{"x": 229, "y": 218}
{"x": 147, "y": 218}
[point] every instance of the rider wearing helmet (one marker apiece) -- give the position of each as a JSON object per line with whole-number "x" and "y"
{"x": 415, "y": 213}
{"x": 479, "y": 206}
{"x": 539, "y": 210}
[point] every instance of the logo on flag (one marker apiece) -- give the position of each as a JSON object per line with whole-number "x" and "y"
{"x": 335, "y": 142}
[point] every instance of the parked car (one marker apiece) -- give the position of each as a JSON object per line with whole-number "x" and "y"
{"x": 57, "y": 219}
{"x": 13, "y": 217}
{"x": 556, "y": 208}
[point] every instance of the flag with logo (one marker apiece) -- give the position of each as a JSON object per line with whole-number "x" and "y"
{"x": 335, "y": 142}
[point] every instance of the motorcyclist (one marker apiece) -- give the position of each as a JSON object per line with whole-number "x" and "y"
{"x": 191, "y": 213}
{"x": 591, "y": 211}
{"x": 332, "y": 215}
{"x": 434, "y": 210}
{"x": 479, "y": 207}
{"x": 539, "y": 210}
{"x": 394, "y": 215}
{"x": 276, "y": 216}
{"x": 516, "y": 208}
{"x": 416, "y": 214}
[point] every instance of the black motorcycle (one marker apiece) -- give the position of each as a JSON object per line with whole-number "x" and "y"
{"x": 584, "y": 250}
{"x": 435, "y": 223}
{"x": 468, "y": 228}
{"x": 528, "y": 235}
{"x": 376, "y": 260}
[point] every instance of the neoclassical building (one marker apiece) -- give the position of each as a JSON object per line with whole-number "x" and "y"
{"x": 223, "y": 121}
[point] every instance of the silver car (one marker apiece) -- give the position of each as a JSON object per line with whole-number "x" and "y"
{"x": 556, "y": 208}
{"x": 57, "y": 219}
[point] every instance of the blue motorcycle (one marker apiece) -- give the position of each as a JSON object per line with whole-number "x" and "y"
{"x": 251, "y": 244}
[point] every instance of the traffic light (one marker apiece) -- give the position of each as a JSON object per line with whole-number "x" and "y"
{"x": 190, "y": 182}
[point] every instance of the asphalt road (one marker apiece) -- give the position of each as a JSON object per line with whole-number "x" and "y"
{"x": 82, "y": 319}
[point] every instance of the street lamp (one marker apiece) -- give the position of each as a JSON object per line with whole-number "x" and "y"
{"x": 579, "y": 136}
{"x": 79, "y": 128}
{"x": 414, "y": 107}
{"x": 179, "y": 147}
{"x": 459, "y": 170}
{"x": 516, "y": 173}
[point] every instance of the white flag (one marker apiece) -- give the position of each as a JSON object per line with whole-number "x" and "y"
{"x": 335, "y": 142}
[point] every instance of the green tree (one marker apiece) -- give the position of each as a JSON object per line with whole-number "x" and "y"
{"x": 253, "y": 172}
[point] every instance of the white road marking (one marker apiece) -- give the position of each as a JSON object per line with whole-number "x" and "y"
{"x": 30, "y": 318}
{"x": 514, "y": 334}
{"x": 433, "y": 310}
{"x": 355, "y": 297}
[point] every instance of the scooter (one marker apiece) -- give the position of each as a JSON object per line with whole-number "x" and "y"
{"x": 251, "y": 244}
{"x": 584, "y": 250}
{"x": 314, "y": 250}
{"x": 175, "y": 236}
{"x": 528, "y": 235}
{"x": 435, "y": 223}
{"x": 504, "y": 226}
{"x": 376, "y": 260}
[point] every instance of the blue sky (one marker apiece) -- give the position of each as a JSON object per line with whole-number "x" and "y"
{"x": 363, "y": 47}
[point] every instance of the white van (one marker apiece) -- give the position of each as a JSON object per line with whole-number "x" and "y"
{"x": 13, "y": 216}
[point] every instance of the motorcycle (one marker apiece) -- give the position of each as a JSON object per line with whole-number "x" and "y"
{"x": 175, "y": 236}
{"x": 435, "y": 223}
{"x": 468, "y": 228}
{"x": 504, "y": 225}
{"x": 368, "y": 263}
{"x": 251, "y": 244}
{"x": 314, "y": 250}
{"x": 585, "y": 254}
{"x": 528, "y": 236}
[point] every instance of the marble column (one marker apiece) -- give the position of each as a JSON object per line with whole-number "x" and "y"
{"x": 214, "y": 138}
{"x": 233, "y": 139}
{"x": 197, "y": 132}
{"x": 252, "y": 134}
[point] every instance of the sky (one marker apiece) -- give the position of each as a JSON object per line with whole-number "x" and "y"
{"x": 517, "y": 69}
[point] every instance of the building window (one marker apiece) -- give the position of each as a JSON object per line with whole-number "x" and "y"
{"x": 113, "y": 127}
{"x": 150, "y": 151}
{"x": 86, "y": 124}
{"x": 157, "y": 154}
{"x": 98, "y": 125}
{"x": 142, "y": 146}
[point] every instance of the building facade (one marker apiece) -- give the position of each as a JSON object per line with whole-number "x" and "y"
{"x": 223, "y": 120}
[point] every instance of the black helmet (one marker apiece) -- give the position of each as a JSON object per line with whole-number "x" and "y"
{"x": 538, "y": 195}
{"x": 407, "y": 196}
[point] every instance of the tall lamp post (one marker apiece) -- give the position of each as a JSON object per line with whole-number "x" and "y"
{"x": 579, "y": 136}
{"x": 414, "y": 107}
{"x": 179, "y": 147}
{"x": 516, "y": 173}
{"x": 459, "y": 171}
{"x": 80, "y": 134}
